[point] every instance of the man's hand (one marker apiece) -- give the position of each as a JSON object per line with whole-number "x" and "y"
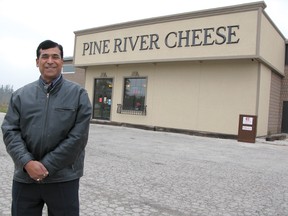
{"x": 36, "y": 170}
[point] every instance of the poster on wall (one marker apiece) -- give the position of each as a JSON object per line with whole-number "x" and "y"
{"x": 247, "y": 120}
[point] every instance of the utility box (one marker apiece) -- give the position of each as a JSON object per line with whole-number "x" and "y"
{"x": 247, "y": 128}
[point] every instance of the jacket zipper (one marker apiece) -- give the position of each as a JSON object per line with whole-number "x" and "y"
{"x": 43, "y": 140}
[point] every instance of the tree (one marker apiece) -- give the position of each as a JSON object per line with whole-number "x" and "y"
{"x": 5, "y": 94}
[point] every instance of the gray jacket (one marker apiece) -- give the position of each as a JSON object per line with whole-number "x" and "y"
{"x": 48, "y": 127}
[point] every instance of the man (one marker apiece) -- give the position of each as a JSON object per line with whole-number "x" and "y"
{"x": 45, "y": 132}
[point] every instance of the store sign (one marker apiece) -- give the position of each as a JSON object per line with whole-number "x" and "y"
{"x": 211, "y": 36}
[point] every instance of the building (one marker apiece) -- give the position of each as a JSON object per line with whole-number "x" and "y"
{"x": 194, "y": 72}
{"x": 284, "y": 96}
{"x": 74, "y": 74}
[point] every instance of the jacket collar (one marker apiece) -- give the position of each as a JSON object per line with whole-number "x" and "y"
{"x": 48, "y": 87}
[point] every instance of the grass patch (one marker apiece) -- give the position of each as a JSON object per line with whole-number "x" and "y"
{"x": 3, "y": 108}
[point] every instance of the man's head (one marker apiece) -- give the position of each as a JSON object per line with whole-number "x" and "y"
{"x": 49, "y": 60}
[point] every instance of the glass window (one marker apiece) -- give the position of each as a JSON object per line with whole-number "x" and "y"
{"x": 134, "y": 93}
{"x": 68, "y": 68}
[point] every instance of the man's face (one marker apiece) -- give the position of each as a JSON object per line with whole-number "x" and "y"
{"x": 50, "y": 63}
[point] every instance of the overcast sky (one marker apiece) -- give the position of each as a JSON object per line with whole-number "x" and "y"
{"x": 26, "y": 23}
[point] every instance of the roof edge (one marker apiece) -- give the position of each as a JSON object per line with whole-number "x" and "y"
{"x": 175, "y": 17}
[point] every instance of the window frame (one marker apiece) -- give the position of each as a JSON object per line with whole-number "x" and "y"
{"x": 142, "y": 109}
{"x": 70, "y": 66}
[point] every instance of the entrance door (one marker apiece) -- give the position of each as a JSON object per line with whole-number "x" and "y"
{"x": 102, "y": 98}
{"x": 285, "y": 117}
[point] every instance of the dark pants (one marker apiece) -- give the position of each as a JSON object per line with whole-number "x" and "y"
{"x": 62, "y": 199}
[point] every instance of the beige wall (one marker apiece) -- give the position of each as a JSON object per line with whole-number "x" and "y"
{"x": 199, "y": 96}
{"x": 252, "y": 33}
{"x": 263, "y": 99}
{"x": 243, "y": 32}
{"x": 271, "y": 46}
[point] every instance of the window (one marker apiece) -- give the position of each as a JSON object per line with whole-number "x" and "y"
{"x": 68, "y": 68}
{"x": 134, "y": 94}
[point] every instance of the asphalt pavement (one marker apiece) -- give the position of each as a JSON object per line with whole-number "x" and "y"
{"x": 134, "y": 172}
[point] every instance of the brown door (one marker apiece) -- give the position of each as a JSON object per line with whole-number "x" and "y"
{"x": 284, "y": 128}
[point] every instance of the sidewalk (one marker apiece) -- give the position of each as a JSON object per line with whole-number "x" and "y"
{"x": 133, "y": 172}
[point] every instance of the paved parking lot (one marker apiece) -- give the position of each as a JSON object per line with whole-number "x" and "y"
{"x": 133, "y": 172}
